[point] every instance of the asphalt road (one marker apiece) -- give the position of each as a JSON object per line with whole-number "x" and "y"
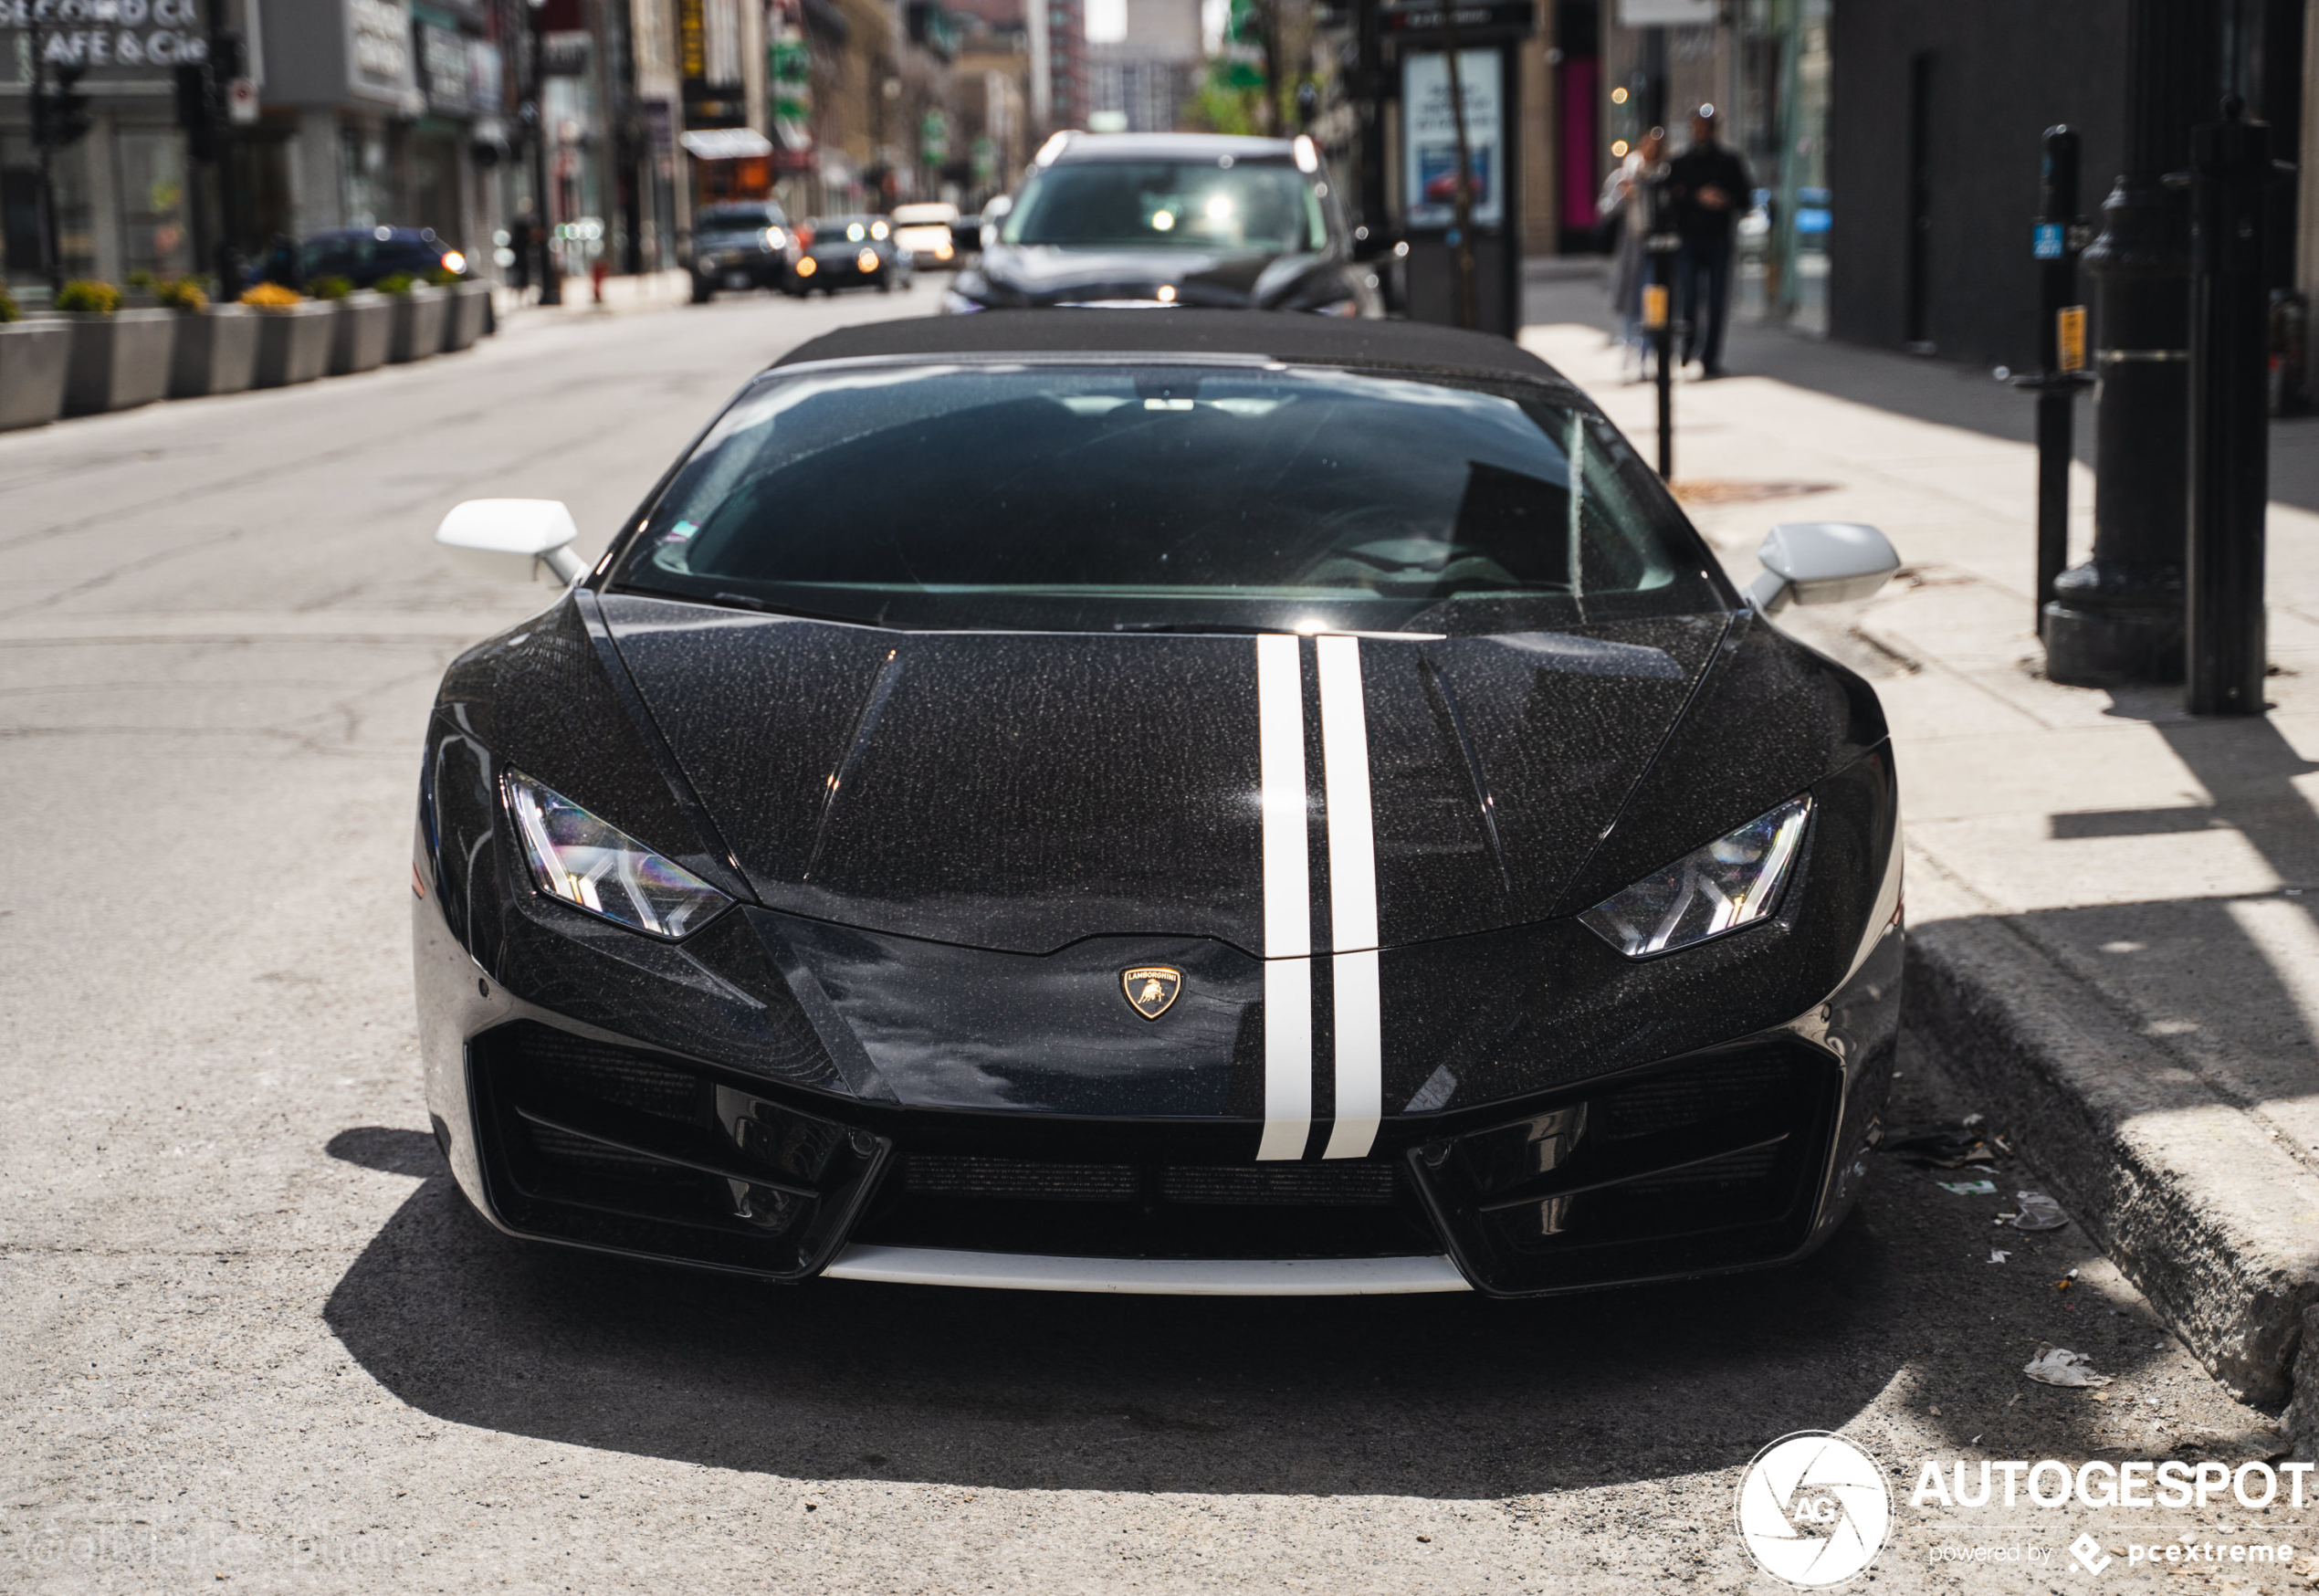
{"x": 254, "y": 1335}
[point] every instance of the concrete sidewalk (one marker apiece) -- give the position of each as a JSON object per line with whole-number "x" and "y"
{"x": 2110, "y": 904}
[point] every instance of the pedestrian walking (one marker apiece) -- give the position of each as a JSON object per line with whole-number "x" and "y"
{"x": 1626, "y": 205}
{"x": 1709, "y": 183}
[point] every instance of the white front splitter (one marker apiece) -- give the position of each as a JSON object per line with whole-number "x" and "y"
{"x": 1149, "y": 1276}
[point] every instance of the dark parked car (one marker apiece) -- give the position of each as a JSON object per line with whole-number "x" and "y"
{"x": 1308, "y": 814}
{"x": 1190, "y": 219}
{"x": 851, "y": 252}
{"x": 364, "y": 254}
{"x": 740, "y": 246}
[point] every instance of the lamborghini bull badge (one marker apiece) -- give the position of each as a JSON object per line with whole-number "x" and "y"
{"x": 1150, "y": 988}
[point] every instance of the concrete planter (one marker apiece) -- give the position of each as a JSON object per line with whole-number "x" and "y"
{"x": 360, "y": 336}
{"x": 294, "y": 343}
{"x": 34, "y": 357}
{"x": 216, "y": 351}
{"x": 463, "y": 324}
{"x": 118, "y": 361}
{"x": 418, "y": 323}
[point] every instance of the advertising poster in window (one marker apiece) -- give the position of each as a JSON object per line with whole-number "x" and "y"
{"x": 1429, "y": 139}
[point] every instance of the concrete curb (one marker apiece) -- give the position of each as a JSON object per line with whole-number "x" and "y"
{"x": 2208, "y": 1216}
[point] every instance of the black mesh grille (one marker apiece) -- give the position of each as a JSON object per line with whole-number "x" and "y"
{"x": 1678, "y": 1098}
{"x": 615, "y": 1074}
{"x": 954, "y": 1175}
{"x": 1711, "y": 1161}
{"x": 616, "y": 1146}
{"x": 1348, "y": 1182}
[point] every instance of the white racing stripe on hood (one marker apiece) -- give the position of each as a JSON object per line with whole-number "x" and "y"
{"x": 1352, "y": 899}
{"x": 1288, "y": 910}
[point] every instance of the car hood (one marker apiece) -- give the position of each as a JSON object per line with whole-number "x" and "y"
{"x": 1022, "y": 790}
{"x": 1045, "y": 275}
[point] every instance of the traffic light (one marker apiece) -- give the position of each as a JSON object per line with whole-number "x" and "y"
{"x": 60, "y": 116}
{"x": 196, "y": 113}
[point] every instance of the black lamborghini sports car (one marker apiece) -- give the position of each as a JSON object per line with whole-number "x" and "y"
{"x": 1204, "y": 802}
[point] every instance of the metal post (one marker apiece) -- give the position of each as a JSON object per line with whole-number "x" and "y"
{"x": 2229, "y": 421}
{"x": 2118, "y": 618}
{"x": 2056, "y": 238}
{"x": 1661, "y": 246}
{"x": 45, "y": 147}
{"x": 225, "y": 66}
{"x": 543, "y": 213}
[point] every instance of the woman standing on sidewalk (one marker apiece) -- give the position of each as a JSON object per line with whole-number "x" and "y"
{"x": 1624, "y": 203}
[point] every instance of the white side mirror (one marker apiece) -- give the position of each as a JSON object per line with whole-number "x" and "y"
{"x": 519, "y": 538}
{"x": 1820, "y": 562}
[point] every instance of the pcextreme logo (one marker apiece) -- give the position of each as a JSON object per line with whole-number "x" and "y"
{"x": 1813, "y": 1509}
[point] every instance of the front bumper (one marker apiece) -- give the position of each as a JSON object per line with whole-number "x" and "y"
{"x": 786, "y": 1099}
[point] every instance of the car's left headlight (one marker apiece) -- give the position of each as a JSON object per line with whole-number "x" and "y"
{"x": 1732, "y": 882}
{"x": 594, "y": 866}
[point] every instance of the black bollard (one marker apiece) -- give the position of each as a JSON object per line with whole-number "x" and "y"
{"x": 1660, "y": 246}
{"x": 2056, "y": 240}
{"x": 2225, "y": 632}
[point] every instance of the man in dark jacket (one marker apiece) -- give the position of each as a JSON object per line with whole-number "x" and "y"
{"x": 1709, "y": 183}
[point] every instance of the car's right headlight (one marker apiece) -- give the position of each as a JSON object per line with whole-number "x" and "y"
{"x": 1732, "y": 882}
{"x": 594, "y": 866}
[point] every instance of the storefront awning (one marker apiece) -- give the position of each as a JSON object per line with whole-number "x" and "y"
{"x": 726, "y": 144}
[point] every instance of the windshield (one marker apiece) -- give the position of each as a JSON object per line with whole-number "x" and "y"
{"x": 737, "y": 218}
{"x": 1165, "y": 497}
{"x": 1168, "y": 204}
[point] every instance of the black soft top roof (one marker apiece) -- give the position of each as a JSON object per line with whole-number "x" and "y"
{"x": 1281, "y": 335}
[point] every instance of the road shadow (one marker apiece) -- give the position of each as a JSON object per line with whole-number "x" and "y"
{"x": 1439, "y": 1396}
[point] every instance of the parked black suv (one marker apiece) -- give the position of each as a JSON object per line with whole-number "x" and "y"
{"x": 739, "y": 245}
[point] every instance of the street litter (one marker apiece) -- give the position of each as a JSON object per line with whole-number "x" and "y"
{"x": 1969, "y": 1188}
{"x": 1942, "y": 1147}
{"x": 2059, "y": 1366}
{"x": 2039, "y": 1211}
{"x": 1997, "y": 1256}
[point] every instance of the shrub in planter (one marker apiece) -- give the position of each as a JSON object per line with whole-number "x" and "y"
{"x": 8, "y": 310}
{"x": 293, "y": 334}
{"x": 88, "y": 297}
{"x": 467, "y": 316}
{"x": 418, "y": 319}
{"x": 361, "y": 331}
{"x": 396, "y": 282}
{"x": 34, "y": 356}
{"x": 217, "y": 344}
{"x": 120, "y": 358}
{"x": 330, "y": 286}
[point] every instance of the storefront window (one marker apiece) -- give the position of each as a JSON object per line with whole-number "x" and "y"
{"x": 363, "y": 162}
{"x": 155, "y": 237}
{"x": 19, "y": 208}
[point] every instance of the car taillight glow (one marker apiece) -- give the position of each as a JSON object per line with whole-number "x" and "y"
{"x": 453, "y": 261}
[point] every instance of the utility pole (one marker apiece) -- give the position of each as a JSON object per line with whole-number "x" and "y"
{"x": 225, "y": 66}
{"x": 60, "y": 120}
{"x": 2225, "y": 632}
{"x": 1462, "y": 207}
{"x": 2118, "y": 618}
{"x": 535, "y": 115}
